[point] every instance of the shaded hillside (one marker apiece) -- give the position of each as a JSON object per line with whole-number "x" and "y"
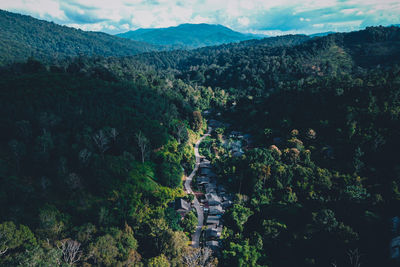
{"x": 185, "y": 59}
{"x": 81, "y": 154}
{"x": 188, "y": 35}
{"x": 23, "y": 36}
{"x": 257, "y": 66}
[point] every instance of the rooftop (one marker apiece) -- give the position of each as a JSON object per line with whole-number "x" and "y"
{"x": 181, "y": 205}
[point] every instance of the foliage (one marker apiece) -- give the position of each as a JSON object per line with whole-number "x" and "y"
{"x": 24, "y": 36}
{"x": 318, "y": 176}
{"x": 242, "y": 254}
{"x": 159, "y": 261}
{"x": 189, "y": 223}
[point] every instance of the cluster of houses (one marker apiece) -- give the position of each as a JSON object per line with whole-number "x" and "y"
{"x": 237, "y": 142}
{"x": 215, "y": 201}
{"x": 213, "y": 197}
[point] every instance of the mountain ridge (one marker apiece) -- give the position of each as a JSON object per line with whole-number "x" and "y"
{"x": 189, "y": 35}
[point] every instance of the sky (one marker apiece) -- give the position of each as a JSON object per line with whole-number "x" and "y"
{"x": 270, "y": 17}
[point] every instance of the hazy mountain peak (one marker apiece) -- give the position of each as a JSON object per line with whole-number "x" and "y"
{"x": 189, "y": 35}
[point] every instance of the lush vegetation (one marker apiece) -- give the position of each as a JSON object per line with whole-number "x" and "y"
{"x": 91, "y": 164}
{"x": 93, "y": 150}
{"x": 22, "y": 37}
{"x": 319, "y": 184}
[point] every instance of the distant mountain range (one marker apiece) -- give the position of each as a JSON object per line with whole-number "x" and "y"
{"x": 24, "y": 36}
{"x": 189, "y": 35}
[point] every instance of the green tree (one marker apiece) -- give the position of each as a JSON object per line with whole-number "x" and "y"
{"x": 174, "y": 244}
{"x": 159, "y": 261}
{"x": 197, "y": 121}
{"x": 170, "y": 174}
{"x": 104, "y": 250}
{"x": 173, "y": 219}
{"x": 238, "y": 216}
{"x": 241, "y": 254}
{"x": 325, "y": 220}
{"x": 189, "y": 223}
{"x": 38, "y": 256}
{"x": 52, "y": 222}
{"x": 12, "y": 237}
{"x": 272, "y": 229}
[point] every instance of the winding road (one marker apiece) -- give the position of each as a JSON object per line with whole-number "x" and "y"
{"x": 188, "y": 189}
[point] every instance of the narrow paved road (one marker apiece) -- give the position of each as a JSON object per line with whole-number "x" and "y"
{"x": 188, "y": 189}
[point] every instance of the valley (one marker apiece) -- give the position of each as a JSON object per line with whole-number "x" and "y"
{"x": 229, "y": 150}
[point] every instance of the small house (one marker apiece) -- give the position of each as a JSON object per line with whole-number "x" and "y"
{"x": 202, "y": 180}
{"x": 211, "y": 188}
{"x": 181, "y": 206}
{"x": 211, "y": 220}
{"x": 216, "y": 210}
{"x": 207, "y": 172}
{"x": 205, "y": 164}
{"x": 204, "y": 160}
{"x": 213, "y": 199}
{"x": 215, "y": 217}
{"x": 213, "y": 232}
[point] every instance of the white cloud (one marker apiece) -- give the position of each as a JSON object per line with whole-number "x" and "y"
{"x": 38, "y": 8}
{"x": 320, "y": 25}
{"x": 125, "y": 26}
{"x": 245, "y": 15}
{"x": 200, "y": 19}
{"x": 244, "y": 21}
{"x": 143, "y": 18}
{"x": 348, "y": 11}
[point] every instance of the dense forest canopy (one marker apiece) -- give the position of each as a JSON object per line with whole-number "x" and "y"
{"x": 22, "y": 37}
{"x": 93, "y": 149}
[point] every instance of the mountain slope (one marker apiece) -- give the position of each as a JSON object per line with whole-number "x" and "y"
{"x": 320, "y": 34}
{"x": 23, "y": 36}
{"x": 261, "y": 63}
{"x": 189, "y": 35}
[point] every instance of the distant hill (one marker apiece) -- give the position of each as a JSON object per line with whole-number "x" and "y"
{"x": 24, "y": 36}
{"x": 321, "y": 34}
{"x": 261, "y": 63}
{"x": 189, "y": 35}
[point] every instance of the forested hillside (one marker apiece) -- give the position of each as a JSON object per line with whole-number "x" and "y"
{"x": 256, "y": 67}
{"x": 320, "y": 180}
{"x": 92, "y": 164}
{"x": 93, "y": 150}
{"x": 323, "y": 171}
{"x": 22, "y": 37}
